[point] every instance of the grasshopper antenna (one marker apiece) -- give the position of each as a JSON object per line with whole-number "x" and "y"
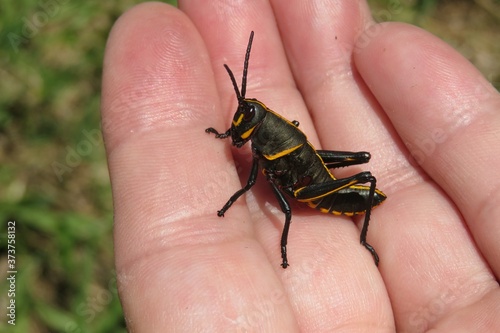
{"x": 245, "y": 67}
{"x": 241, "y": 95}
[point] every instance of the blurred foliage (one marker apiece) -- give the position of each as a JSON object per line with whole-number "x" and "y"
{"x": 53, "y": 174}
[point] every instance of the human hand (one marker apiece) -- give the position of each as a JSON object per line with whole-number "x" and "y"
{"x": 427, "y": 116}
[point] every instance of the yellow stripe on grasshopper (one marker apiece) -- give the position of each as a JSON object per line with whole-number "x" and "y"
{"x": 323, "y": 194}
{"x": 247, "y": 133}
{"x": 237, "y": 122}
{"x": 282, "y": 153}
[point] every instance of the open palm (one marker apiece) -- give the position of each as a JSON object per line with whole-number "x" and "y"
{"x": 429, "y": 119}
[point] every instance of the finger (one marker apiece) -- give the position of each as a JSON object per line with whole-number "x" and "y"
{"x": 318, "y": 37}
{"x": 422, "y": 84}
{"x": 178, "y": 264}
{"x": 267, "y": 71}
{"x": 269, "y": 80}
{"x": 345, "y": 114}
{"x": 454, "y": 139}
{"x": 319, "y": 42}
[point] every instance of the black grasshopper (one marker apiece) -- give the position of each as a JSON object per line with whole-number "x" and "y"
{"x": 294, "y": 168}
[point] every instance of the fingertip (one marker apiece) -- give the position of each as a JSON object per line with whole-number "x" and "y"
{"x": 155, "y": 62}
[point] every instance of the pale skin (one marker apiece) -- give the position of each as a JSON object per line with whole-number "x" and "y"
{"x": 390, "y": 89}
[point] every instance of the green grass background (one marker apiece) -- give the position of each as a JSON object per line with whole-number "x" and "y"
{"x": 53, "y": 174}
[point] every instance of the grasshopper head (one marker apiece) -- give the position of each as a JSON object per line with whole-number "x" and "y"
{"x": 246, "y": 120}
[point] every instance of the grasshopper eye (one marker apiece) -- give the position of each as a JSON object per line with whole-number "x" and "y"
{"x": 249, "y": 112}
